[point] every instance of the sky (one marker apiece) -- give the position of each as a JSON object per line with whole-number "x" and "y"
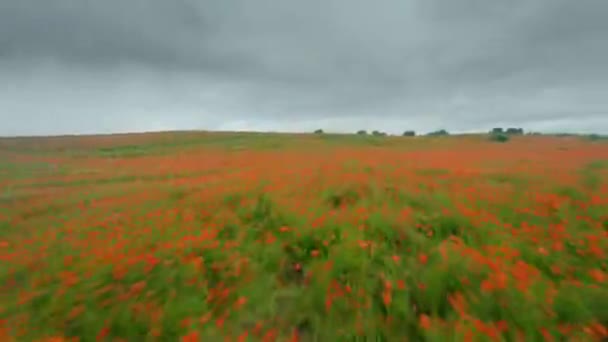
{"x": 91, "y": 66}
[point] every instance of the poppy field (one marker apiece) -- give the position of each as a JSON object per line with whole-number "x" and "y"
{"x": 282, "y": 237}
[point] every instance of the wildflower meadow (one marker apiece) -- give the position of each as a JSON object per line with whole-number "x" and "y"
{"x": 189, "y": 236}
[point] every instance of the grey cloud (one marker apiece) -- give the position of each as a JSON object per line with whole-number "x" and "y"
{"x": 82, "y": 65}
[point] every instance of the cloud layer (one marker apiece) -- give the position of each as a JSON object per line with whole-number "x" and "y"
{"x": 84, "y": 66}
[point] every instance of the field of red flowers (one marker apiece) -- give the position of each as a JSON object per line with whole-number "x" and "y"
{"x": 259, "y": 237}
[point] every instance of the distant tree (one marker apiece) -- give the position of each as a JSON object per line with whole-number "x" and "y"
{"x": 497, "y": 130}
{"x": 319, "y": 131}
{"x": 595, "y": 137}
{"x": 440, "y": 132}
{"x": 378, "y": 133}
{"x": 362, "y": 132}
{"x": 499, "y": 137}
{"x": 409, "y": 134}
{"x": 515, "y": 131}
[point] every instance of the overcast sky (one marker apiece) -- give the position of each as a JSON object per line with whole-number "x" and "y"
{"x": 98, "y": 66}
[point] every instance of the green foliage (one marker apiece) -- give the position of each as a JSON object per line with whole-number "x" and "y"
{"x": 343, "y": 196}
{"x": 319, "y": 131}
{"x": 409, "y": 133}
{"x": 124, "y": 151}
{"x": 499, "y": 137}
{"x": 597, "y": 137}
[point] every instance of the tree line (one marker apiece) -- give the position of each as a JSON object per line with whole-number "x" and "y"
{"x": 441, "y": 132}
{"x": 497, "y": 134}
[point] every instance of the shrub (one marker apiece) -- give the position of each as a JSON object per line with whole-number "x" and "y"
{"x": 319, "y": 131}
{"x": 409, "y": 134}
{"x": 499, "y": 137}
{"x": 362, "y": 132}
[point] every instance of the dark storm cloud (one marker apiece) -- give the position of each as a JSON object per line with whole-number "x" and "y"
{"x": 85, "y": 66}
